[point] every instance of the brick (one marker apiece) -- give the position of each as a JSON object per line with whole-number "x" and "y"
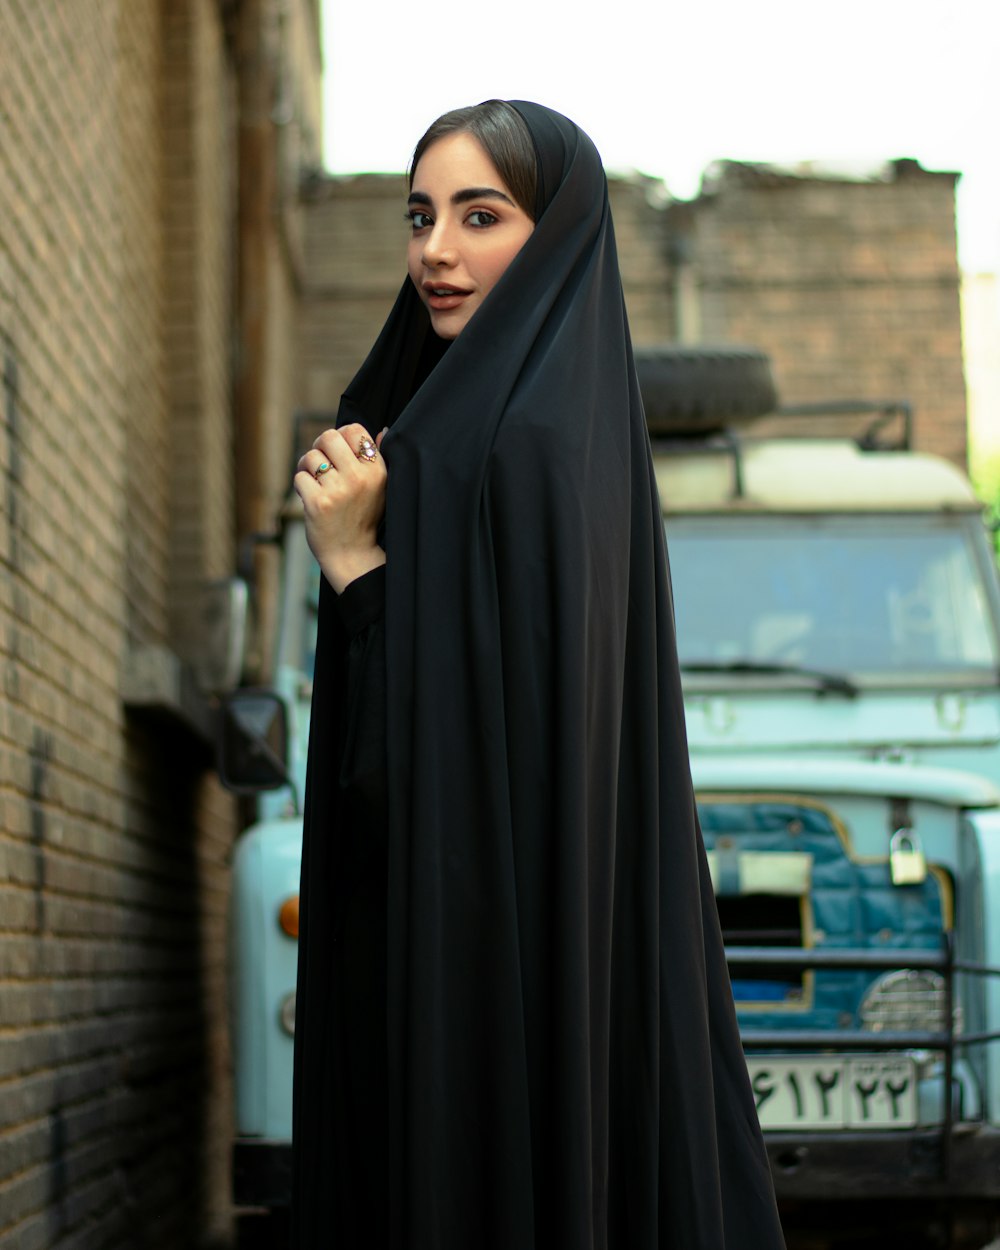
{"x": 118, "y": 268}
{"x": 848, "y": 285}
{"x": 116, "y": 478}
{"x": 851, "y": 287}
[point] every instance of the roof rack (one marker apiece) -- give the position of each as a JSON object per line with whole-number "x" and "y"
{"x": 723, "y": 442}
{"x": 727, "y": 442}
{"x": 872, "y": 437}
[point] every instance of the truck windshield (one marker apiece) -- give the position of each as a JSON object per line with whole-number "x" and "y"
{"x": 852, "y": 594}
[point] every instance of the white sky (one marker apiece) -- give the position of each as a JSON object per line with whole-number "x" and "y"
{"x": 667, "y": 88}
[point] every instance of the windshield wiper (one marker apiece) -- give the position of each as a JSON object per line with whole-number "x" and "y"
{"x": 832, "y": 683}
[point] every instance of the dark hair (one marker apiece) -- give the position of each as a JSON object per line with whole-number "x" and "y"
{"x": 506, "y": 138}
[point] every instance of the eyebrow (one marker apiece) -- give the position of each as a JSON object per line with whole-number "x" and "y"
{"x": 464, "y": 196}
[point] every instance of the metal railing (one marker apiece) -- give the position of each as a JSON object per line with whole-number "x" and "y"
{"x": 862, "y": 959}
{"x": 872, "y": 438}
{"x": 728, "y": 442}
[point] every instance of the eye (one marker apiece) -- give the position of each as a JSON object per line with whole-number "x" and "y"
{"x": 418, "y": 219}
{"x": 480, "y": 218}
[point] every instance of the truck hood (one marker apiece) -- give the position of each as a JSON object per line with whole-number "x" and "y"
{"x": 718, "y": 773}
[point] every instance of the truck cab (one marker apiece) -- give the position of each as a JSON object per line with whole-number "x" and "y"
{"x": 838, "y": 625}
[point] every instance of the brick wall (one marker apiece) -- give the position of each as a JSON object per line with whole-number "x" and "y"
{"x": 852, "y": 287}
{"x": 355, "y": 261}
{"x": 199, "y": 199}
{"x": 643, "y": 258}
{"x": 118, "y": 265}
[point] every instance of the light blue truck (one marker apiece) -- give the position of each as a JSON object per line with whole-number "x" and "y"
{"x": 838, "y": 617}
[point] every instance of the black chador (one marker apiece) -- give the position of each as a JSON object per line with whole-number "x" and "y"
{"x": 515, "y": 1027}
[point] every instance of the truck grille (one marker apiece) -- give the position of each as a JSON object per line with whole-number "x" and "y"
{"x": 784, "y": 876}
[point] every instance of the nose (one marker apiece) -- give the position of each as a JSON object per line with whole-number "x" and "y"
{"x": 439, "y": 247}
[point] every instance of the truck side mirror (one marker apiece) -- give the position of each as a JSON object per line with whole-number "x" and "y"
{"x": 253, "y": 741}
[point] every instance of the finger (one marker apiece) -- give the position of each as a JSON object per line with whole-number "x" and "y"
{"x": 314, "y": 463}
{"x": 352, "y": 435}
{"x": 379, "y": 436}
{"x": 338, "y": 449}
{"x": 360, "y": 442}
{"x": 320, "y": 443}
{"x": 306, "y": 486}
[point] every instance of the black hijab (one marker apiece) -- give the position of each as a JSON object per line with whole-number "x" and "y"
{"x": 564, "y": 1064}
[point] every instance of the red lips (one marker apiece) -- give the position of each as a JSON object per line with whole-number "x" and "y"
{"x": 442, "y": 296}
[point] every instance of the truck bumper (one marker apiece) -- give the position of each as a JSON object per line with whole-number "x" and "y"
{"x": 262, "y": 1173}
{"x": 846, "y": 1166}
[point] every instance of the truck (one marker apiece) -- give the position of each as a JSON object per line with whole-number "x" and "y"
{"x": 838, "y": 623}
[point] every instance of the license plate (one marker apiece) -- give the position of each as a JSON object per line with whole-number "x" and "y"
{"x": 856, "y": 1092}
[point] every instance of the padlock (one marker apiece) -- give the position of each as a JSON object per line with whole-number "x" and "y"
{"x": 907, "y": 862}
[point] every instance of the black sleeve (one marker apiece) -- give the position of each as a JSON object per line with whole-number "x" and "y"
{"x": 362, "y": 602}
{"x": 361, "y": 607}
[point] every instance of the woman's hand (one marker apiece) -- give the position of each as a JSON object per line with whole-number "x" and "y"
{"x": 341, "y": 483}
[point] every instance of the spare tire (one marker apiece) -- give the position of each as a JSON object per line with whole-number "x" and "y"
{"x": 695, "y": 390}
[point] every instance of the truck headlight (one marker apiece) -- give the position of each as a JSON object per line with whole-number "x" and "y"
{"x": 909, "y": 1000}
{"x": 286, "y": 1014}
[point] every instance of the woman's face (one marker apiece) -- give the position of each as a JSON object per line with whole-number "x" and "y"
{"x": 466, "y": 230}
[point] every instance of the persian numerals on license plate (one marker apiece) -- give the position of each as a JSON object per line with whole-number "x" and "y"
{"x": 857, "y": 1092}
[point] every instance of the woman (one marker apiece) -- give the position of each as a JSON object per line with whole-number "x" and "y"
{"x": 515, "y": 1028}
